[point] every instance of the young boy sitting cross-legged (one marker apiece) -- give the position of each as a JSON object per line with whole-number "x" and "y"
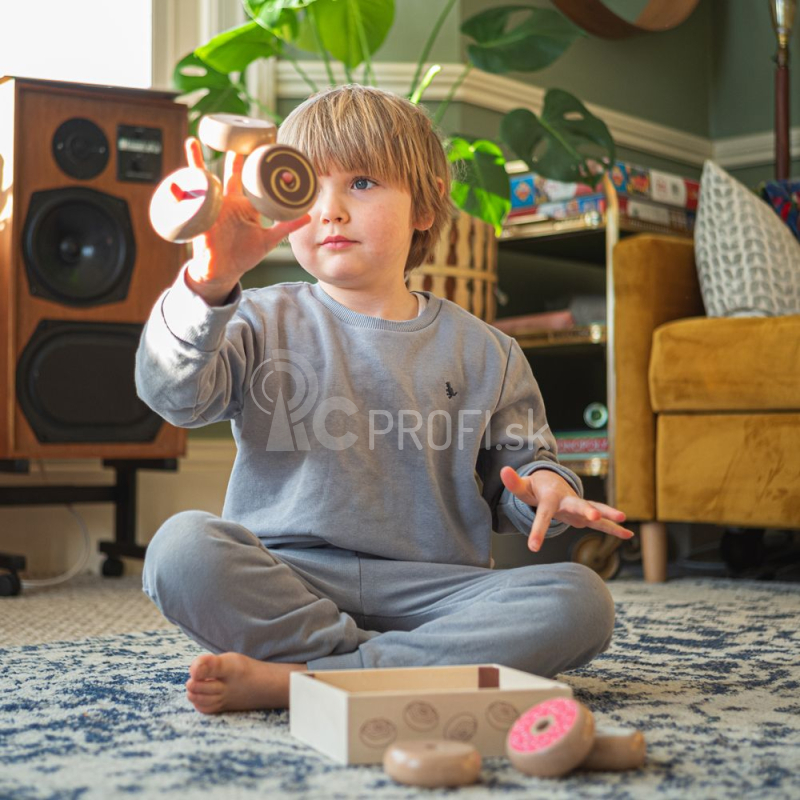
{"x": 381, "y": 436}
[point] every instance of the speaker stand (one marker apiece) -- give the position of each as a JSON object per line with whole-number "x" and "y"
{"x": 122, "y": 494}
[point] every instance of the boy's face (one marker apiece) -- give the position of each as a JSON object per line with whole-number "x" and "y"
{"x": 374, "y": 223}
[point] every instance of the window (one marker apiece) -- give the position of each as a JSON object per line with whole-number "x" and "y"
{"x": 84, "y": 41}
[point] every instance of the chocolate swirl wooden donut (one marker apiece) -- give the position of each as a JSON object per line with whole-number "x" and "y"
{"x": 277, "y": 179}
{"x": 551, "y": 738}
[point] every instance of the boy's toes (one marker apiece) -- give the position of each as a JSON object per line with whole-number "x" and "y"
{"x": 206, "y": 687}
{"x": 205, "y": 704}
{"x": 204, "y": 667}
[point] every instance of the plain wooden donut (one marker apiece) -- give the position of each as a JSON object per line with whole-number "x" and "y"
{"x": 432, "y": 763}
{"x": 185, "y": 204}
{"x": 234, "y": 133}
{"x": 616, "y": 749}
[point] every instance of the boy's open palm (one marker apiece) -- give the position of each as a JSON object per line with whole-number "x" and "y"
{"x": 554, "y": 498}
{"x": 236, "y": 242}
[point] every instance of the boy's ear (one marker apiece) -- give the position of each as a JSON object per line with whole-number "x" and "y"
{"x": 423, "y": 223}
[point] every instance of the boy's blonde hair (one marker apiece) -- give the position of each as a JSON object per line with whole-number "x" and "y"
{"x": 360, "y": 128}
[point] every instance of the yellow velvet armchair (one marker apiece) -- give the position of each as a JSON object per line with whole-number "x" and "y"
{"x": 706, "y": 423}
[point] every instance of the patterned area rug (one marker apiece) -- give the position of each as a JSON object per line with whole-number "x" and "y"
{"x": 708, "y": 669}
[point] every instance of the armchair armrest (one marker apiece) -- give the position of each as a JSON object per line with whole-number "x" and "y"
{"x": 654, "y": 281}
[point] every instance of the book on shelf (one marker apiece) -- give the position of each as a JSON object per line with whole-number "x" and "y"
{"x": 529, "y": 189}
{"x": 543, "y": 321}
{"x": 665, "y": 216}
{"x": 582, "y": 444}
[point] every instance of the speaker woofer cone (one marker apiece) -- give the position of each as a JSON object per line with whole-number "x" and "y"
{"x": 78, "y": 246}
{"x": 75, "y": 383}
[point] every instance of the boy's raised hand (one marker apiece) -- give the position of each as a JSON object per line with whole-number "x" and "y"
{"x": 554, "y": 498}
{"x": 236, "y": 242}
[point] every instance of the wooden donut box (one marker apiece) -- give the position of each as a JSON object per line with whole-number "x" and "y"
{"x": 352, "y": 716}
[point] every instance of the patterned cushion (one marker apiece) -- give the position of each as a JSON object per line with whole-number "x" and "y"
{"x": 748, "y": 261}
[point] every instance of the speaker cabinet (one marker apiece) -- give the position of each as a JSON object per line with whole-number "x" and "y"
{"x": 80, "y": 266}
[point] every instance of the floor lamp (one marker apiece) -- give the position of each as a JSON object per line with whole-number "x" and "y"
{"x": 782, "y": 21}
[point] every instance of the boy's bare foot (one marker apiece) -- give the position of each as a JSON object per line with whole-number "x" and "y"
{"x": 233, "y": 682}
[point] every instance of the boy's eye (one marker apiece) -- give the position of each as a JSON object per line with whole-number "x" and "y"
{"x": 360, "y": 183}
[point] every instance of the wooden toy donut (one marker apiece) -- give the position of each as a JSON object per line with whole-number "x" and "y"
{"x": 616, "y": 749}
{"x": 432, "y": 763}
{"x": 277, "y": 179}
{"x": 234, "y": 133}
{"x": 551, "y": 738}
{"x": 185, "y": 204}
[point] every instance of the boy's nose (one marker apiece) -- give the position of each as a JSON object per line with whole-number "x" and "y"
{"x": 331, "y": 208}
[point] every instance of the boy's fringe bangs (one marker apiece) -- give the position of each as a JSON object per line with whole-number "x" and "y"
{"x": 372, "y": 132}
{"x": 350, "y": 133}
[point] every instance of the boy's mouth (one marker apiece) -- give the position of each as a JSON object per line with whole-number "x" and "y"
{"x": 337, "y": 242}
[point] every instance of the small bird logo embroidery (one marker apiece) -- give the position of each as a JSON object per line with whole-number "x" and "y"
{"x": 450, "y": 392}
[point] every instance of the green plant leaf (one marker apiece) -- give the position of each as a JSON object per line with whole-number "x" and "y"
{"x": 277, "y": 16}
{"x": 484, "y": 189}
{"x": 233, "y": 50}
{"x": 558, "y": 144}
{"x": 220, "y": 94}
{"x": 337, "y": 20}
{"x": 533, "y": 43}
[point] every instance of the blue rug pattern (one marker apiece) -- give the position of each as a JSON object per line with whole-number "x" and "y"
{"x": 709, "y": 670}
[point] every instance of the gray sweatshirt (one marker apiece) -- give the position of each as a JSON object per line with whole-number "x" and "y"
{"x": 378, "y": 436}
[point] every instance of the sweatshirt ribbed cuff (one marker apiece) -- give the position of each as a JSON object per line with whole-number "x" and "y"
{"x": 190, "y": 319}
{"x": 521, "y": 514}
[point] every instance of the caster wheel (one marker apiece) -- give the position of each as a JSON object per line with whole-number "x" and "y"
{"x": 743, "y": 550}
{"x": 279, "y": 181}
{"x": 592, "y": 551}
{"x": 113, "y": 567}
{"x": 10, "y": 585}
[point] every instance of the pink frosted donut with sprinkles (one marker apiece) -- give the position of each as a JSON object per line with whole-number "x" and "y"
{"x": 551, "y": 738}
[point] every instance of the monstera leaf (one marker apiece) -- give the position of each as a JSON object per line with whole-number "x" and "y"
{"x": 482, "y": 188}
{"x": 235, "y": 49}
{"x": 340, "y": 25}
{"x": 274, "y": 14}
{"x": 559, "y": 143}
{"x": 536, "y": 41}
{"x": 220, "y": 95}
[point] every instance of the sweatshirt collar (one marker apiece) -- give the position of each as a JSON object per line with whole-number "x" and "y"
{"x": 377, "y": 323}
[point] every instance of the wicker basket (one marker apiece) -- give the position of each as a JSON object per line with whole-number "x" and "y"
{"x": 463, "y": 268}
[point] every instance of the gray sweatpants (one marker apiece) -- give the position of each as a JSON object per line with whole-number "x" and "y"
{"x": 339, "y": 609}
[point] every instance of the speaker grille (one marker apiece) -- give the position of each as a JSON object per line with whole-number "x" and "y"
{"x": 75, "y": 383}
{"x": 78, "y": 246}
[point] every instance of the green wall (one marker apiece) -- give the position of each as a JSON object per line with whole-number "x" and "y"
{"x": 711, "y": 76}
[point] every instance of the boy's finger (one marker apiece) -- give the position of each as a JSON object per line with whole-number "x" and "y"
{"x": 232, "y": 182}
{"x": 194, "y": 153}
{"x": 609, "y": 512}
{"x": 544, "y": 515}
{"x": 515, "y": 484}
{"x": 611, "y": 528}
{"x": 276, "y": 233}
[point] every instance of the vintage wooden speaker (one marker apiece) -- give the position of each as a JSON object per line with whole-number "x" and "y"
{"x": 81, "y": 267}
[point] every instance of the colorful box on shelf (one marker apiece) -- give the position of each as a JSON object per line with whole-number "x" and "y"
{"x": 352, "y": 716}
{"x": 582, "y": 443}
{"x": 530, "y": 190}
{"x": 665, "y": 216}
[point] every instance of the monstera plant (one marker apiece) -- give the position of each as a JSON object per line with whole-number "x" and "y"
{"x": 565, "y": 142}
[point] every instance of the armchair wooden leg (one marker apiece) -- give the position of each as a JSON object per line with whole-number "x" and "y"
{"x": 654, "y": 551}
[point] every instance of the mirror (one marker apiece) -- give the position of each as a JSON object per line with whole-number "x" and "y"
{"x": 618, "y": 19}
